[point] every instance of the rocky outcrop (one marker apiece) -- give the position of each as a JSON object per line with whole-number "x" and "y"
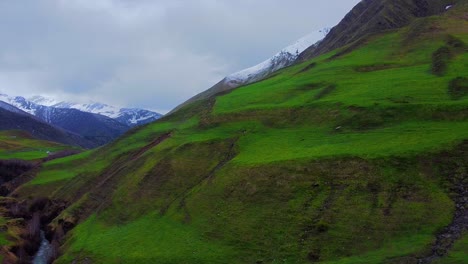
{"x": 370, "y": 17}
{"x": 28, "y": 218}
{"x": 456, "y": 173}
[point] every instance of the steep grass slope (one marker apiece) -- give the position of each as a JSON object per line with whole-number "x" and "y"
{"x": 350, "y": 157}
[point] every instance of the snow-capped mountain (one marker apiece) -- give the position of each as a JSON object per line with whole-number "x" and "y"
{"x": 128, "y": 116}
{"x": 282, "y": 59}
{"x": 286, "y": 57}
{"x": 21, "y": 103}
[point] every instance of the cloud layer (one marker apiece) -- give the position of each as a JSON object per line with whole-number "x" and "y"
{"x": 145, "y": 53}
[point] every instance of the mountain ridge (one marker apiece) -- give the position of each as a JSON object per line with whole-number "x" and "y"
{"x": 94, "y": 127}
{"x": 13, "y": 119}
{"x": 369, "y": 17}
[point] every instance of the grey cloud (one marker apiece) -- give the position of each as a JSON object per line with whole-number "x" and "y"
{"x": 152, "y": 54}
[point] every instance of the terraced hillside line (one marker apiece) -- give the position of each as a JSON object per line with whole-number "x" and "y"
{"x": 447, "y": 237}
{"x": 96, "y": 193}
{"x": 231, "y": 154}
{"x": 135, "y": 156}
{"x": 100, "y": 197}
{"x": 8, "y": 188}
{"x": 151, "y": 145}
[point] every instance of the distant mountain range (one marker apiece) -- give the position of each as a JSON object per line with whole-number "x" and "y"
{"x": 128, "y": 116}
{"x": 96, "y": 122}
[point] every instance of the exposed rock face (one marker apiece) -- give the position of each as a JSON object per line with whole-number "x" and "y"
{"x": 374, "y": 16}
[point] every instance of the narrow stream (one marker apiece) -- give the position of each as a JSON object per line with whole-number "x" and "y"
{"x": 45, "y": 251}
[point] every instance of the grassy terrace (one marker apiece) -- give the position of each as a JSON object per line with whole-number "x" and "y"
{"x": 19, "y": 145}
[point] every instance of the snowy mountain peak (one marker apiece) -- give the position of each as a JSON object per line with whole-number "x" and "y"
{"x": 282, "y": 59}
{"x": 41, "y": 100}
{"x": 92, "y": 107}
{"x": 286, "y": 57}
{"x": 302, "y": 44}
{"x": 20, "y": 102}
{"x": 11, "y": 108}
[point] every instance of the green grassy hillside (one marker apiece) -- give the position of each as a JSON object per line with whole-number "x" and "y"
{"x": 347, "y": 158}
{"x": 16, "y": 144}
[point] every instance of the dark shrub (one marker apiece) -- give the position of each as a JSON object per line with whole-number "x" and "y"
{"x": 455, "y": 43}
{"x": 458, "y": 87}
{"x": 440, "y": 59}
{"x": 308, "y": 67}
{"x": 10, "y": 169}
{"x": 325, "y": 91}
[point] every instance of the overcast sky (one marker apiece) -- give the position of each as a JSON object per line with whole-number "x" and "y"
{"x": 153, "y": 54}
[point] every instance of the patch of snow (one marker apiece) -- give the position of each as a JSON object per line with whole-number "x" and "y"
{"x": 48, "y": 115}
{"x": 246, "y": 73}
{"x": 19, "y": 102}
{"x": 9, "y": 107}
{"x": 41, "y": 100}
{"x": 92, "y": 107}
{"x": 135, "y": 120}
{"x": 303, "y": 43}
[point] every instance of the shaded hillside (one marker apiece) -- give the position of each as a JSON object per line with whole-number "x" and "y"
{"x": 96, "y": 128}
{"x": 373, "y": 16}
{"x": 19, "y": 120}
{"x": 359, "y": 158}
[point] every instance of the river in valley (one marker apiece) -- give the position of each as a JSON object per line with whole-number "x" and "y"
{"x": 44, "y": 253}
